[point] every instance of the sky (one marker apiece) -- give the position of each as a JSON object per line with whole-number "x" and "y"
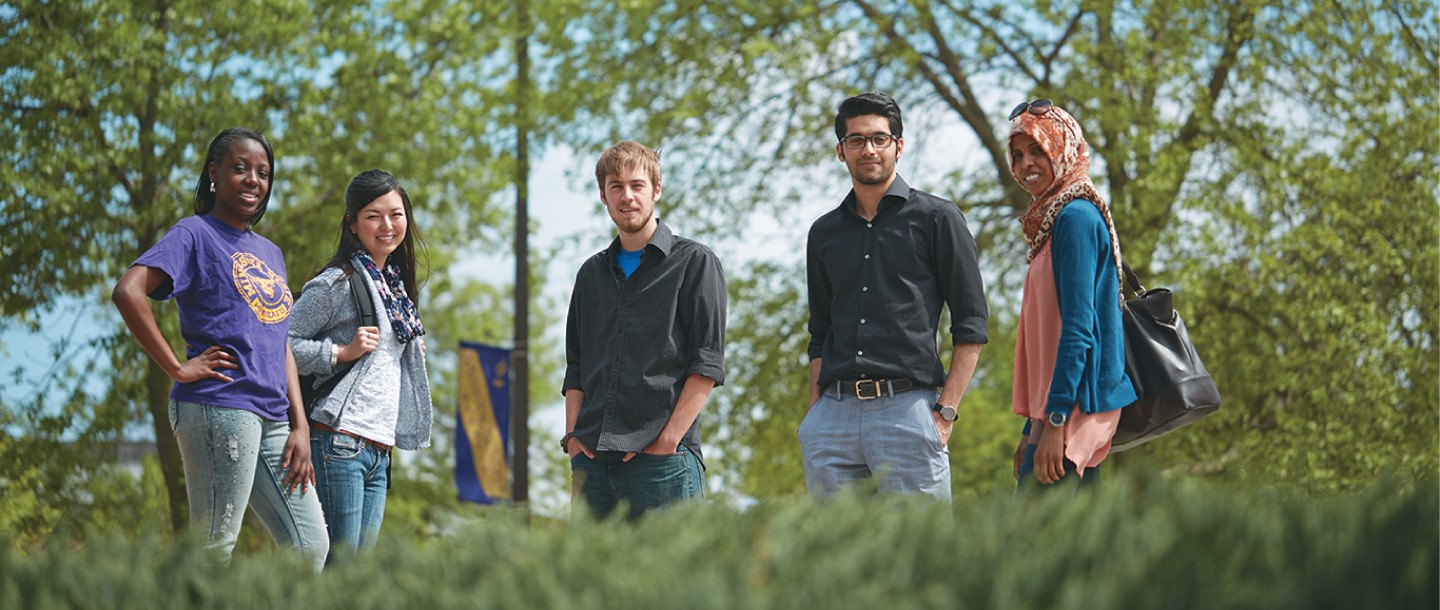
{"x": 569, "y": 218}
{"x": 564, "y": 207}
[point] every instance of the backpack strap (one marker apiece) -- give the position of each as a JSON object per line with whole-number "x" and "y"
{"x": 361, "y": 293}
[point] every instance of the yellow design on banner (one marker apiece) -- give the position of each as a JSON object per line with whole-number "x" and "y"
{"x": 487, "y": 447}
{"x": 261, "y": 287}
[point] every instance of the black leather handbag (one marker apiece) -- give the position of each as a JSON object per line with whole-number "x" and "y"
{"x": 1173, "y": 386}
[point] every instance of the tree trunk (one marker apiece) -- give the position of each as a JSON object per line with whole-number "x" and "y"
{"x": 520, "y": 356}
{"x": 157, "y": 386}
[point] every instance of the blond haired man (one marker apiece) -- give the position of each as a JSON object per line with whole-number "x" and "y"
{"x": 644, "y": 345}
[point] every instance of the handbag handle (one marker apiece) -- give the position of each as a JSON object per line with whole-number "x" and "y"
{"x": 1132, "y": 280}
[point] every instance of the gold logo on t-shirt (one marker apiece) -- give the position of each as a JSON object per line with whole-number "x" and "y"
{"x": 261, "y": 287}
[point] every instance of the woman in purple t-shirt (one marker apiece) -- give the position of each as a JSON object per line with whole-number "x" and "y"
{"x": 235, "y": 407}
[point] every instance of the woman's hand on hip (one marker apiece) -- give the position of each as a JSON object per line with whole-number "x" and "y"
{"x": 206, "y": 366}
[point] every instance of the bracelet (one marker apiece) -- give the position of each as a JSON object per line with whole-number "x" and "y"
{"x": 334, "y": 355}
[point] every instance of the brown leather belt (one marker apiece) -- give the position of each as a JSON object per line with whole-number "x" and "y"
{"x": 870, "y": 389}
{"x": 319, "y": 426}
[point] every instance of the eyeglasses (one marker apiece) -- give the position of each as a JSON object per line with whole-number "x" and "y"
{"x": 1037, "y": 108}
{"x": 880, "y": 142}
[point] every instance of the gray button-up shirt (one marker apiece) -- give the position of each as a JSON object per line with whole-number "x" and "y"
{"x": 630, "y": 343}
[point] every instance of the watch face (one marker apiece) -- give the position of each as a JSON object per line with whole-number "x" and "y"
{"x": 1056, "y": 419}
{"x": 946, "y": 413}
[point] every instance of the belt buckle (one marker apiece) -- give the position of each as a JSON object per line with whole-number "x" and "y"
{"x": 873, "y": 383}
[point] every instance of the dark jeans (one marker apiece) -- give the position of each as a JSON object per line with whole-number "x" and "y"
{"x": 1070, "y": 482}
{"x": 645, "y": 483}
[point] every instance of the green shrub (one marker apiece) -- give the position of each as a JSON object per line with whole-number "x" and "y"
{"x": 1141, "y": 542}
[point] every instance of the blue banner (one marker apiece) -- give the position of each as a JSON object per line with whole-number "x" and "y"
{"x": 482, "y": 424}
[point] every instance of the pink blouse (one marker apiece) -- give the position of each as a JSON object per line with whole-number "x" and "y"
{"x": 1087, "y": 435}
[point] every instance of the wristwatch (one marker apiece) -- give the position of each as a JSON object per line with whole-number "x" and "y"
{"x": 946, "y": 413}
{"x": 1057, "y": 418}
{"x": 565, "y": 441}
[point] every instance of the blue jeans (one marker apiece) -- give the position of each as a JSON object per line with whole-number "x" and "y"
{"x": 645, "y": 483}
{"x": 351, "y": 477}
{"x": 844, "y": 440}
{"x": 232, "y": 460}
{"x": 1070, "y": 482}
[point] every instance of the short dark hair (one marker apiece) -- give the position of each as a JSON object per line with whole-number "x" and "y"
{"x": 872, "y": 102}
{"x": 204, "y": 197}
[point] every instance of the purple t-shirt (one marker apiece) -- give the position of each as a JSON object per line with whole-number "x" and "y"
{"x": 229, "y": 286}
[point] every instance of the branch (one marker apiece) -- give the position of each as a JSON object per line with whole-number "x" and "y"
{"x": 1014, "y": 55}
{"x": 1238, "y": 32}
{"x": 1407, "y": 34}
{"x": 1070, "y": 30}
{"x": 965, "y": 103}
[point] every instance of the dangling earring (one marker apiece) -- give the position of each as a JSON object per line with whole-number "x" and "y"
{"x": 212, "y": 187}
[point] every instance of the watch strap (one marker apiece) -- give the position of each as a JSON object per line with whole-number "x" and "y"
{"x": 939, "y": 408}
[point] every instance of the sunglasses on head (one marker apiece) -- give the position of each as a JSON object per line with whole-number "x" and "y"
{"x": 1037, "y": 108}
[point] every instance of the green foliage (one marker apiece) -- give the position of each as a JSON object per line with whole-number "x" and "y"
{"x": 983, "y": 441}
{"x": 1137, "y": 543}
{"x": 1275, "y": 164}
{"x": 1313, "y": 288}
{"x": 110, "y": 104}
{"x": 767, "y": 389}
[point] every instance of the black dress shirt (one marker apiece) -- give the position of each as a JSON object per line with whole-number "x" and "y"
{"x": 876, "y": 287}
{"x": 630, "y": 343}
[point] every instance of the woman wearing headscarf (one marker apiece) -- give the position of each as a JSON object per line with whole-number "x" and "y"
{"x": 1070, "y": 380}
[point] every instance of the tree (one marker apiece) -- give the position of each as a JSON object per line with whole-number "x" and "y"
{"x": 1170, "y": 94}
{"x": 1332, "y": 229}
{"x": 111, "y": 104}
{"x": 105, "y": 115}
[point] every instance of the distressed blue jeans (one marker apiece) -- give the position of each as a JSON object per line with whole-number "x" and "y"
{"x": 844, "y": 440}
{"x": 645, "y": 483}
{"x": 232, "y": 460}
{"x": 352, "y": 478}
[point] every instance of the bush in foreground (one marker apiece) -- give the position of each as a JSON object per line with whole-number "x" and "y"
{"x": 1147, "y": 543}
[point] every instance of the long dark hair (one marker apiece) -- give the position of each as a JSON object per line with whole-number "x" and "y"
{"x": 366, "y": 187}
{"x": 204, "y": 199}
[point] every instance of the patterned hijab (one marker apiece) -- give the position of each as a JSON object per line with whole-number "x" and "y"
{"x": 1059, "y": 135}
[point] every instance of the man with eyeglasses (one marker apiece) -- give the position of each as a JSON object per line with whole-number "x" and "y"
{"x": 880, "y": 268}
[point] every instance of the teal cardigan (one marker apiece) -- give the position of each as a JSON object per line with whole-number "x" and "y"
{"x": 1090, "y": 360}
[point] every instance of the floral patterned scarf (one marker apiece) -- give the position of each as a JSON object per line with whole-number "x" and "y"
{"x": 404, "y": 318}
{"x": 1059, "y": 135}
